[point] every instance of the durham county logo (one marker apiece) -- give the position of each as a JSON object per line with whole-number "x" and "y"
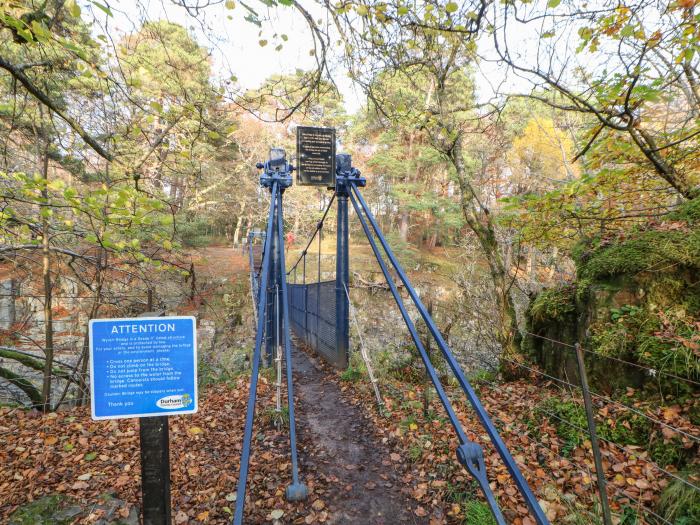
{"x": 173, "y": 402}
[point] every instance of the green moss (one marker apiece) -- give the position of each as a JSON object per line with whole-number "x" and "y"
{"x": 627, "y": 428}
{"x": 49, "y": 510}
{"x": 569, "y": 419}
{"x": 553, "y": 304}
{"x": 688, "y": 211}
{"x": 649, "y": 251}
{"x": 668, "y": 452}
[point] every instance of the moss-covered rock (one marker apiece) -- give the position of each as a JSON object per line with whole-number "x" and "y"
{"x": 637, "y": 299}
{"x": 553, "y": 305}
{"x": 648, "y": 251}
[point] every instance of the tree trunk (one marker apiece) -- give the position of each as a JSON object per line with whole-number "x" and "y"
{"x": 94, "y": 309}
{"x": 432, "y": 240}
{"x": 239, "y": 223}
{"x": 679, "y": 181}
{"x": 403, "y": 226}
{"x": 479, "y": 220}
{"x": 46, "y": 274}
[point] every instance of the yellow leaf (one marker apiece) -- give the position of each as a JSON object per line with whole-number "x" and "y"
{"x": 203, "y": 516}
{"x": 50, "y": 440}
{"x": 195, "y": 430}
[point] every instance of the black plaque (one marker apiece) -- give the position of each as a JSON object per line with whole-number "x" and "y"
{"x": 316, "y": 156}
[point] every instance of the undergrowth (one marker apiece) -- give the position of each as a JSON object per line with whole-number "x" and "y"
{"x": 679, "y": 503}
{"x": 624, "y": 429}
{"x": 662, "y": 339}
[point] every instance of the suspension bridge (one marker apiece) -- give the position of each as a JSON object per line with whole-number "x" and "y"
{"x": 317, "y": 313}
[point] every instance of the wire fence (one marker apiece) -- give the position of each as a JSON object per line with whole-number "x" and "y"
{"x": 548, "y": 447}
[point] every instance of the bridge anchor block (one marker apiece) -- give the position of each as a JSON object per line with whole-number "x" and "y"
{"x": 296, "y": 492}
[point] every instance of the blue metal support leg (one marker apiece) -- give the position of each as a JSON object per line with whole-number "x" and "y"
{"x": 255, "y": 365}
{"x": 296, "y": 491}
{"x": 467, "y": 449}
{"x": 342, "y": 270}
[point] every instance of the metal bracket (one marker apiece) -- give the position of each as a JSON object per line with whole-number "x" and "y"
{"x": 346, "y": 174}
{"x": 275, "y": 172}
{"x": 471, "y": 456}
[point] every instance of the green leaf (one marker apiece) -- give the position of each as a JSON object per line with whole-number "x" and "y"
{"x": 73, "y": 8}
{"x": 553, "y": 3}
{"x": 262, "y": 42}
{"x": 627, "y": 31}
{"x": 230, "y": 4}
{"x": 41, "y": 32}
{"x": 103, "y": 7}
{"x": 90, "y": 456}
{"x": 451, "y": 7}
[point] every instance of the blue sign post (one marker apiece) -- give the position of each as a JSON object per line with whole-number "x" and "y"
{"x": 141, "y": 367}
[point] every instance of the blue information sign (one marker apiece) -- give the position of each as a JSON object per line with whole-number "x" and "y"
{"x": 144, "y": 366}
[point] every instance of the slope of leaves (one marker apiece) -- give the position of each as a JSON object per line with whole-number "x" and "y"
{"x": 560, "y": 472}
{"x": 67, "y": 453}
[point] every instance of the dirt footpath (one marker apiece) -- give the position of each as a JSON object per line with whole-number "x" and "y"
{"x": 365, "y": 488}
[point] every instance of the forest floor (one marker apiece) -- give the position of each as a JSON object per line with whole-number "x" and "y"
{"x": 65, "y": 468}
{"x": 360, "y": 465}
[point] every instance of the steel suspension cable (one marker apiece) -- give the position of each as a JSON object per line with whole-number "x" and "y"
{"x": 319, "y": 225}
{"x": 471, "y": 452}
{"x": 481, "y": 413}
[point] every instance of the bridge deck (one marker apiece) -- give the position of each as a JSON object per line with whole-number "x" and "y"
{"x": 339, "y": 445}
